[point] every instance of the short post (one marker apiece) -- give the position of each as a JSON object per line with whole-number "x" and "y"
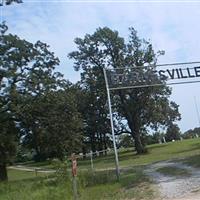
{"x": 74, "y": 174}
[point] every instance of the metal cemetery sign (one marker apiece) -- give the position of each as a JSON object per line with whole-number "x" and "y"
{"x": 139, "y": 77}
{"x": 135, "y": 77}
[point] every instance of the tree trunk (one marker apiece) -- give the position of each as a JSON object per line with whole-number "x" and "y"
{"x": 3, "y": 172}
{"x": 135, "y": 132}
{"x": 134, "y": 124}
{"x": 139, "y": 147}
{"x": 93, "y": 144}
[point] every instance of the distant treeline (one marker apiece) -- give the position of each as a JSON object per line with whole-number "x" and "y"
{"x": 191, "y": 133}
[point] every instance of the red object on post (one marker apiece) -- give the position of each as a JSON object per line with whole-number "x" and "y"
{"x": 74, "y": 165}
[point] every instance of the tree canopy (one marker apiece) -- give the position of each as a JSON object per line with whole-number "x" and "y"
{"x": 143, "y": 107}
{"x": 36, "y": 103}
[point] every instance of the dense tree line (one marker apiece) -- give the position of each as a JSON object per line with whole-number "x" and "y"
{"x": 192, "y": 133}
{"x": 37, "y": 106}
{"x": 96, "y": 124}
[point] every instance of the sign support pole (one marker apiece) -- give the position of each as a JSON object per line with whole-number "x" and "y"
{"x": 112, "y": 126}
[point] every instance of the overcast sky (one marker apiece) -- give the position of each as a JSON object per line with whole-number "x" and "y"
{"x": 173, "y": 26}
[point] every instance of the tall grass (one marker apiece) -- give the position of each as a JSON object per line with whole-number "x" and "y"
{"x": 100, "y": 185}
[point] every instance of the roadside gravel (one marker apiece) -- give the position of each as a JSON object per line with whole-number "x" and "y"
{"x": 172, "y": 187}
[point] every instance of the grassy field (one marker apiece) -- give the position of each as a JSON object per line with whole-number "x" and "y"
{"x": 101, "y": 185}
{"x": 128, "y": 157}
{"x": 157, "y": 152}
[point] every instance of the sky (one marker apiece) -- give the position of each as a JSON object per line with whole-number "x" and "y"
{"x": 172, "y": 26}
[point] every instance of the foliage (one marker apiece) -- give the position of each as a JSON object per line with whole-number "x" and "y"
{"x": 173, "y": 133}
{"x": 52, "y": 125}
{"x": 23, "y": 154}
{"x": 191, "y": 133}
{"x": 156, "y": 137}
{"x": 25, "y": 70}
{"x": 9, "y": 2}
{"x": 125, "y": 141}
{"x": 36, "y": 103}
{"x": 96, "y": 126}
{"x": 141, "y": 108}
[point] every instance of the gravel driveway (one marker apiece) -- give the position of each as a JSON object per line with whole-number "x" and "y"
{"x": 172, "y": 187}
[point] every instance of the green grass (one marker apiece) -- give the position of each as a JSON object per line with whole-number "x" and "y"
{"x": 25, "y": 185}
{"x": 35, "y": 188}
{"x": 133, "y": 184}
{"x": 44, "y": 164}
{"x": 157, "y": 152}
{"x": 173, "y": 171}
{"x": 101, "y": 185}
{"x": 14, "y": 175}
{"x": 128, "y": 157}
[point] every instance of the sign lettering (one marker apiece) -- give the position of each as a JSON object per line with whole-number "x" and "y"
{"x": 139, "y": 76}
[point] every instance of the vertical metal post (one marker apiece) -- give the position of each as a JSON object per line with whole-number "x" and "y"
{"x": 112, "y": 126}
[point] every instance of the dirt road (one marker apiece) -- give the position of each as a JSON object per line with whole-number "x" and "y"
{"x": 31, "y": 169}
{"x": 173, "y": 187}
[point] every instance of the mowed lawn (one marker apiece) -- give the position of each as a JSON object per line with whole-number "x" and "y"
{"x": 156, "y": 152}
{"x": 102, "y": 183}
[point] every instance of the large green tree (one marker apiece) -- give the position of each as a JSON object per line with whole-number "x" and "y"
{"x": 142, "y": 107}
{"x": 33, "y": 95}
{"x": 52, "y": 125}
{"x": 173, "y": 132}
{"x": 26, "y": 70}
{"x": 92, "y": 106}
